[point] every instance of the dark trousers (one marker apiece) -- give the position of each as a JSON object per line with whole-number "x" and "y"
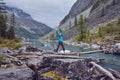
{"x": 60, "y": 44}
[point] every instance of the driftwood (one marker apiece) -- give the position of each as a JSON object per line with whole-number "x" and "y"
{"x": 72, "y": 53}
{"x": 96, "y": 73}
{"x": 115, "y": 73}
{"x": 103, "y": 71}
{"x": 69, "y": 54}
{"x": 15, "y": 60}
{"x": 91, "y": 52}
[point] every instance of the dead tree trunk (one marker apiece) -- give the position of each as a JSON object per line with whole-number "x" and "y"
{"x": 104, "y": 71}
{"x": 115, "y": 73}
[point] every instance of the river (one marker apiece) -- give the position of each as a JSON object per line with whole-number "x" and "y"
{"x": 111, "y": 61}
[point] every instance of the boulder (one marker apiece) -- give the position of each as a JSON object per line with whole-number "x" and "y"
{"x": 16, "y": 73}
{"x": 31, "y": 49}
{"x": 116, "y": 49}
{"x": 95, "y": 46}
{"x": 77, "y": 70}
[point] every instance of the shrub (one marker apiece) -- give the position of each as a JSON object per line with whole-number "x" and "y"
{"x": 1, "y": 40}
{"x": 118, "y": 20}
{"x": 11, "y": 44}
{"x": 3, "y": 60}
{"x": 77, "y": 38}
{"x": 1, "y": 57}
{"x": 52, "y": 36}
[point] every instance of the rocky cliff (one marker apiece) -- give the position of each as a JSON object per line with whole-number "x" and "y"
{"x": 95, "y": 11}
{"x": 26, "y": 26}
{"x": 79, "y": 7}
{"x": 103, "y": 11}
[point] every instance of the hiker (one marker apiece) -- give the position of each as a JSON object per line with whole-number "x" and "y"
{"x": 59, "y": 34}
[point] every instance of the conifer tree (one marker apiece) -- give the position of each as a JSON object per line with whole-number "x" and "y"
{"x": 82, "y": 28}
{"x": 103, "y": 12}
{"x": 3, "y": 26}
{"x": 11, "y": 32}
{"x": 101, "y": 31}
{"x": 75, "y": 22}
{"x": 69, "y": 24}
{"x": 3, "y": 20}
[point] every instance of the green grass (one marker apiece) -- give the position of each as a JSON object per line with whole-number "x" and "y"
{"x": 104, "y": 33}
{"x": 11, "y": 44}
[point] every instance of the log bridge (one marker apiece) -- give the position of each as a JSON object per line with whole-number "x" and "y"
{"x": 73, "y": 53}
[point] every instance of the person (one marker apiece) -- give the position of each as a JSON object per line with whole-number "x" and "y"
{"x": 59, "y": 34}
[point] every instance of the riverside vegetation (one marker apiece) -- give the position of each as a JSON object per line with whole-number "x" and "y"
{"x": 106, "y": 32}
{"x": 7, "y": 33}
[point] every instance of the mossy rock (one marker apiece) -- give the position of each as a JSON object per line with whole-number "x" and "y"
{"x": 55, "y": 76}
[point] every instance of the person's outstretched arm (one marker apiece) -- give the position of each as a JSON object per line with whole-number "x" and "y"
{"x": 56, "y": 31}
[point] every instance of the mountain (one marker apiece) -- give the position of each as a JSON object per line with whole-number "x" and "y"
{"x": 95, "y": 12}
{"x": 26, "y": 26}
{"x": 103, "y": 11}
{"x": 80, "y": 6}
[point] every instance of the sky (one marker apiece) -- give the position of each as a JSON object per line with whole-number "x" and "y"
{"x": 50, "y": 12}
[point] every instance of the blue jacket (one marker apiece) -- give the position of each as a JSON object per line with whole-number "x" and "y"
{"x": 60, "y": 36}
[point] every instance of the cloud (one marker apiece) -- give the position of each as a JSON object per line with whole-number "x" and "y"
{"x": 50, "y": 12}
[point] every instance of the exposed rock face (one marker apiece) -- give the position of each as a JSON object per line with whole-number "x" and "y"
{"x": 116, "y": 49}
{"x": 72, "y": 33}
{"x": 96, "y": 12}
{"x": 111, "y": 10}
{"x": 80, "y": 6}
{"x": 77, "y": 8}
{"x": 103, "y": 11}
{"x": 26, "y": 26}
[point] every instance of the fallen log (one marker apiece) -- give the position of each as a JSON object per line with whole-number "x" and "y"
{"x": 104, "y": 71}
{"x": 69, "y": 54}
{"x": 97, "y": 73}
{"x": 72, "y": 53}
{"x": 91, "y": 52}
{"x": 115, "y": 73}
{"x": 15, "y": 60}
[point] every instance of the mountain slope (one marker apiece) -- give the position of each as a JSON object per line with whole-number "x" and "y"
{"x": 103, "y": 11}
{"x": 95, "y": 11}
{"x": 79, "y": 7}
{"x": 26, "y": 26}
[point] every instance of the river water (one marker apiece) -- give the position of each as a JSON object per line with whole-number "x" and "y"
{"x": 111, "y": 61}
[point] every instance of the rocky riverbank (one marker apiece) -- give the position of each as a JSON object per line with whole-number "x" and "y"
{"x": 44, "y": 65}
{"x": 107, "y": 48}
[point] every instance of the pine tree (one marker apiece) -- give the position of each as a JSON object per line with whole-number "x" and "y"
{"x": 75, "y": 22}
{"x": 82, "y": 28}
{"x": 11, "y": 32}
{"x": 3, "y": 20}
{"x": 103, "y": 12}
{"x": 88, "y": 35}
{"x": 101, "y": 31}
{"x": 69, "y": 24}
{"x": 3, "y": 26}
